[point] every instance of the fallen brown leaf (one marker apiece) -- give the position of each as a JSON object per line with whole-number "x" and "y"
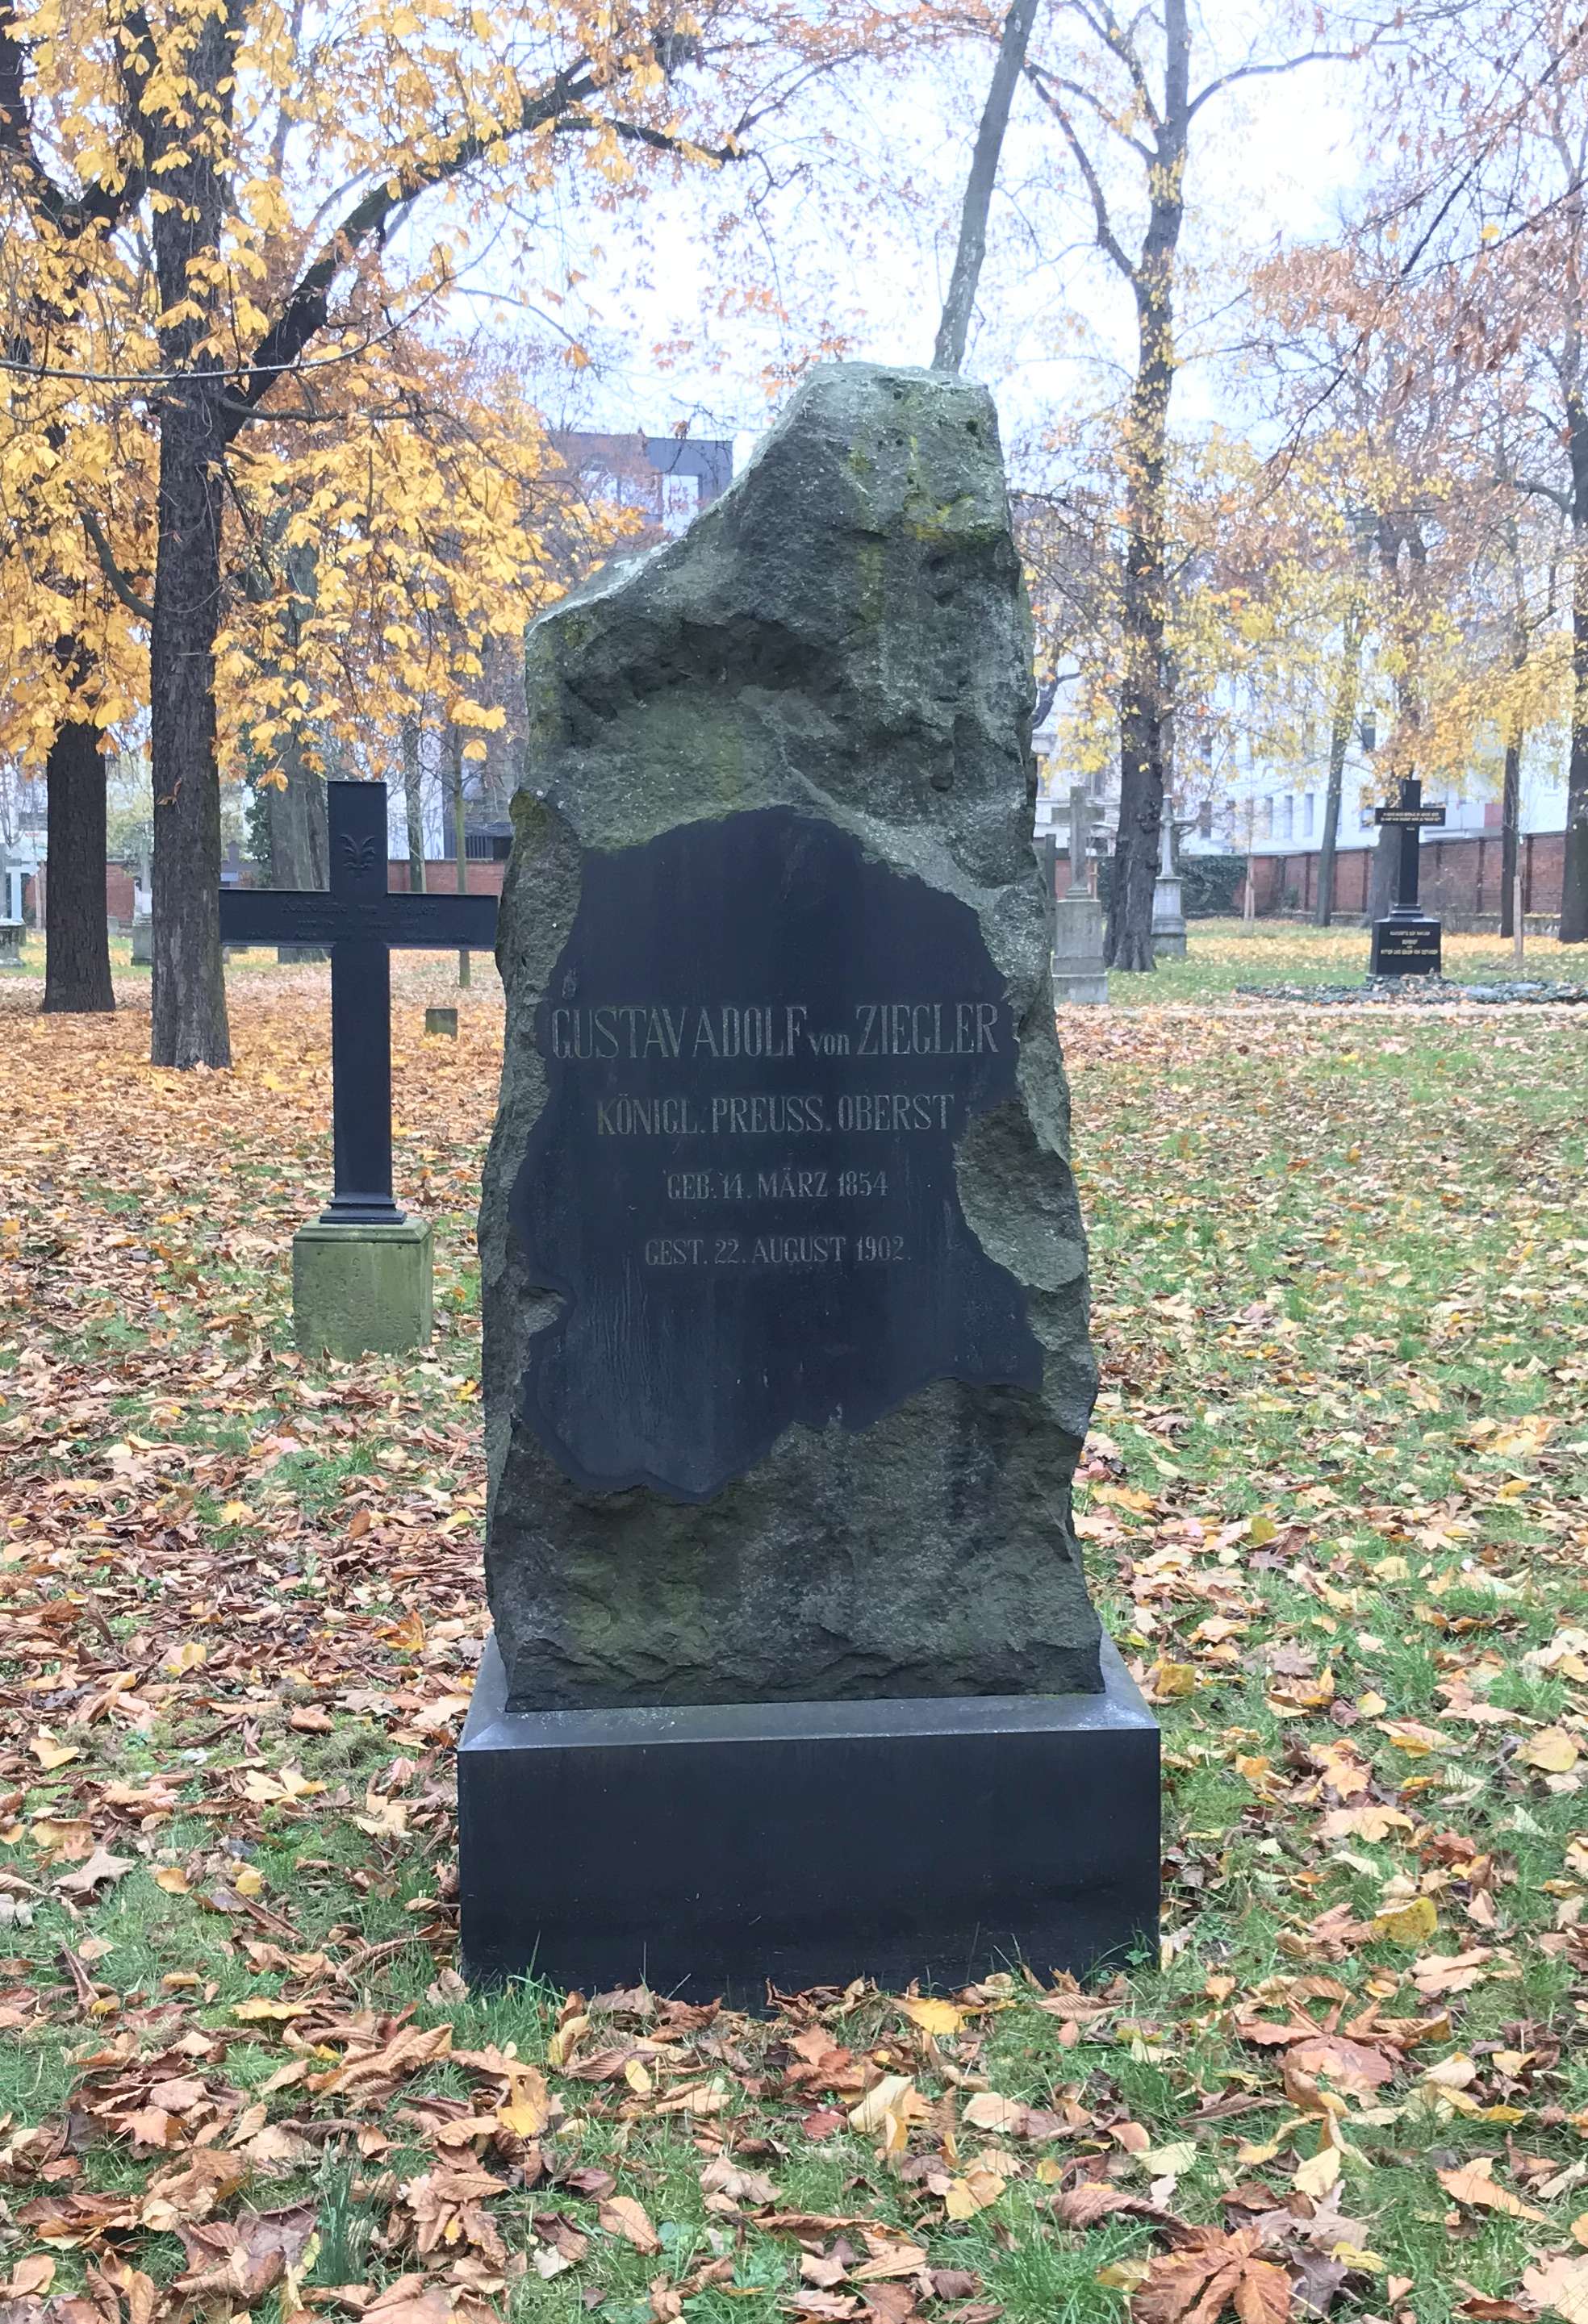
{"x": 246, "y": 2256}
{"x": 1208, "y": 2273}
{"x": 1474, "y": 2184}
{"x": 620, "y": 2215}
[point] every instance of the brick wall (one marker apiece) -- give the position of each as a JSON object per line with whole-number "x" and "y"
{"x": 118, "y": 895}
{"x": 485, "y": 877}
{"x": 1460, "y": 878}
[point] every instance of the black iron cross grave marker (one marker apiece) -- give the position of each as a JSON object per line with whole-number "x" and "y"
{"x": 1408, "y": 943}
{"x": 360, "y": 921}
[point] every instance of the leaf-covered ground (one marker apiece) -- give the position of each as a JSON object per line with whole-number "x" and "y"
{"x": 1224, "y": 955}
{"x": 1336, "y": 1508}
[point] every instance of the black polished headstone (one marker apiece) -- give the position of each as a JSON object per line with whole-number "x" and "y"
{"x": 762, "y": 1047}
{"x": 1406, "y": 948}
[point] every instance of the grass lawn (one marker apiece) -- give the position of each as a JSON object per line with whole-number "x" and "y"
{"x": 1224, "y": 954}
{"x": 1335, "y": 1508}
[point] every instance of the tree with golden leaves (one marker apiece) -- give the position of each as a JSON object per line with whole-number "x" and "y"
{"x": 219, "y": 212}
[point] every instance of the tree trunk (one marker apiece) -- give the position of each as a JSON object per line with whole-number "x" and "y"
{"x": 77, "y": 954}
{"x": 1574, "y": 897}
{"x": 460, "y": 835}
{"x": 190, "y": 1001}
{"x": 1144, "y": 713}
{"x": 954, "y": 329}
{"x": 1404, "y": 579}
{"x": 1136, "y": 846}
{"x": 413, "y": 806}
{"x": 1384, "y": 878}
{"x": 298, "y": 838}
{"x": 1347, "y": 679}
{"x": 1511, "y": 823}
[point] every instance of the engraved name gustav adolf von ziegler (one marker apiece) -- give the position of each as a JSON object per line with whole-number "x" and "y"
{"x": 780, "y": 1032}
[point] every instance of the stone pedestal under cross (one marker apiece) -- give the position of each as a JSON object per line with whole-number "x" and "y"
{"x": 361, "y": 1272}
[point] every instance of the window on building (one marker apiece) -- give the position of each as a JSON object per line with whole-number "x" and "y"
{"x": 1267, "y": 816}
{"x": 1307, "y": 806}
{"x": 1204, "y": 820}
{"x": 1288, "y": 816}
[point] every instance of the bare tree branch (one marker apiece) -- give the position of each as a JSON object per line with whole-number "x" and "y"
{"x": 111, "y": 570}
{"x": 1074, "y": 88}
{"x": 1107, "y": 240}
{"x": 1119, "y": 42}
{"x": 561, "y": 106}
{"x": 1256, "y": 72}
{"x": 1552, "y": 493}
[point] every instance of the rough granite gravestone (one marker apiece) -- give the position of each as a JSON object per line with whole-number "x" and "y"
{"x": 794, "y": 1671}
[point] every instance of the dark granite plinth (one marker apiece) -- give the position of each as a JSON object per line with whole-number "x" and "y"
{"x": 1407, "y": 944}
{"x": 712, "y": 1850}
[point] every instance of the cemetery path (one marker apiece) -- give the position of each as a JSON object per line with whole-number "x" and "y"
{"x": 1336, "y": 1508}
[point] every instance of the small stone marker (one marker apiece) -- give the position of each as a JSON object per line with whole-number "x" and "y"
{"x": 361, "y": 1272}
{"x": 143, "y": 940}
{"x": 11, "y": 926}
{"x": 786, "y": 1369}
{"x": 1080, "y": 978}
{"x": 1408, "y": 943}
{"x": 443, "y": 1021}
{"x": 1168, "y": 911}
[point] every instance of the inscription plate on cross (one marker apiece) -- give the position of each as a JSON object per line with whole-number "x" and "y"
{"x": 361, "y": 921}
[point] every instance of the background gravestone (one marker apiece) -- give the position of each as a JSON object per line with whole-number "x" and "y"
{"x": 786, "y": 1365}
{"x": 1080, "y": 971}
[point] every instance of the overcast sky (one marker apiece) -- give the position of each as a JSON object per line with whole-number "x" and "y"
{"x": 1274, "y": 158}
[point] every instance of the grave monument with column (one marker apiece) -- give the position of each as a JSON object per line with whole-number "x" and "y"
{"x": 142, "y": 917}
{"x": 1080, "y": 979}
{"x": 1169, "y": 911}
{"x": 11, "y": 923}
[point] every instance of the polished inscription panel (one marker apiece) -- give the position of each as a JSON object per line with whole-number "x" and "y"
{"x": 761, "y": 1047}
